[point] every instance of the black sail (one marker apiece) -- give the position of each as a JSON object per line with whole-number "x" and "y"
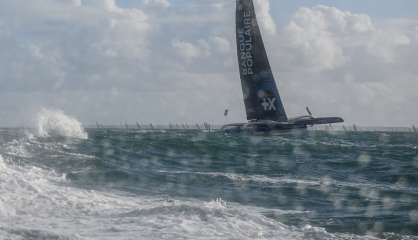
{"x": 261, "y": 97}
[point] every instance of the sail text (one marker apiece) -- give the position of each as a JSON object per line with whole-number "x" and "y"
{"x": 245, "y": 39}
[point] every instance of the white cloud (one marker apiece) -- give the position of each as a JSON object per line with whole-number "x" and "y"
{"x": 58, "y": 47}
{"x": 189, "y": 51}
{"x": 345, "y": 63}
{"x": 77, "y": 2}
{"x": 317, "y": 34}
{"x": 158, "y": 3}
{"x": 221, "y": 44}
{"x": 97, "y": 60}
{"x": 109, "y": 5}
{"x": 263, "y": 14}
{"x": 386, "y": 44}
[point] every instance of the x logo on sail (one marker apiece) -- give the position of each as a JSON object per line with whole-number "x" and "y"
{"x": 268, "y": 104}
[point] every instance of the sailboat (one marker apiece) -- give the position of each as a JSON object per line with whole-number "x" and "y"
{"x": 263, "y": 104}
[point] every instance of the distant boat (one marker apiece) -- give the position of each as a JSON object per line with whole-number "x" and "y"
{"x": 414, "y": 129}
{"x": 263, "y": 105}
{"x": 355, "y": 128}
{"x": 207, "y": 126}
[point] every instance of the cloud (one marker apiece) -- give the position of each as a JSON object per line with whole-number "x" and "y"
{"x": 263, "y": 14}
{"x": 58, "y": 47}
{"x": 73, "y": 2}
{"x": 189, "y": 51}
{"x": 346, "y": 63}
{"x": 221, "y": 44}
{"x": 163, "y": 61}
{"x": 109, "y": 5}
{"x": 317, "y": 34}
{"x": 157, "y": 3}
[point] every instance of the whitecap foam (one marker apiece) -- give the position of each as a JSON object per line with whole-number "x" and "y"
{"x": 43, "y": 202}
{"x": 2, "y": 164}
{"x": 17, "y": 148}
{"x": 40, "y": 200}
{"x": 46, "y": 204}
{"x": 55, "y": 123}
{"x": 5, "y": 210}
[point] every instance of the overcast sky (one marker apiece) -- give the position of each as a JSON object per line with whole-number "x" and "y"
{"x": 165, "y": 61}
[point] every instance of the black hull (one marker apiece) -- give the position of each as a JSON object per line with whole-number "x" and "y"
{"x": 261, "y": 128}
{"x": 273, "y": 126}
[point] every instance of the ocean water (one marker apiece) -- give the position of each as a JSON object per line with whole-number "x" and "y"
{"x": 62, "y": 182}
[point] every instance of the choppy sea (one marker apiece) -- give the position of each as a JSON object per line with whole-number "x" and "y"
{"x": 61, "y": 183}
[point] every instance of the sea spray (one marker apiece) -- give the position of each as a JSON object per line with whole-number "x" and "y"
{"x": 55, "y": 123}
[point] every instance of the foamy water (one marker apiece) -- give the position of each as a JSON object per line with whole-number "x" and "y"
{"x": 41, "y": 204}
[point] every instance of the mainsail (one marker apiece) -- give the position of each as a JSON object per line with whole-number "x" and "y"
{"x": 261, "y": 97}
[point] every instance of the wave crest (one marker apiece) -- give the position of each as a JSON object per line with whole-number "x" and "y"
{"x": 55, "y": 123}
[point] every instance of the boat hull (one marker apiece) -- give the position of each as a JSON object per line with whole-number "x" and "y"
{"x": 273, "y": 126}
{"x": 261, "y": 127}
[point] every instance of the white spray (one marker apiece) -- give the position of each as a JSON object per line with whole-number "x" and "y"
{"x": 54, "y": 123}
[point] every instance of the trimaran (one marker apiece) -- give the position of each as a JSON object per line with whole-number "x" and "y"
{"x": 264, "y": 107}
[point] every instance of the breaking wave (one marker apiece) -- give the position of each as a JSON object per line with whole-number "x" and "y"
{"x": 35, "y": 196}
{"x": 55, "y": 123}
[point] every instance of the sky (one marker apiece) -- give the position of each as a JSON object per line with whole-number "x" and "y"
{"x": 174, "y": 61}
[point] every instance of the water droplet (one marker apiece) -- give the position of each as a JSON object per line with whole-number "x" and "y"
{"x": 371, "y": 211}
{"x": 364, "y": 160}
{"x": 378, "y": 227}
{"x": 413, "y": 215}
{"x": 326, "y": 184}
{"x": 384, "y": 138}
{"x": 282, "y": 199}
{"x": 388, "y": 203}
{"x": 416, "y": 161}
{"x": 402, "y": 182}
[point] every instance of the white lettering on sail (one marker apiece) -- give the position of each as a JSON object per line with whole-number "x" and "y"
{"x": 246, "y": 45}
{"x": 269, "y": 104}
